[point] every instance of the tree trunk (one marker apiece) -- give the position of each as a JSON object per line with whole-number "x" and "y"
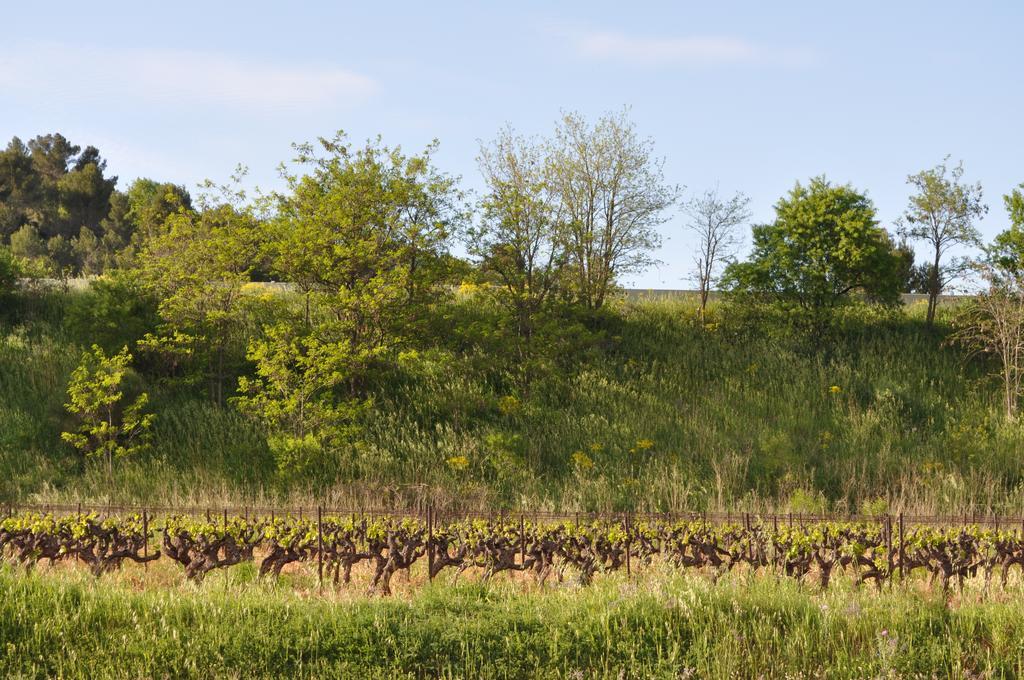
{"x": 703, "y": 299}
{"x": 933, "y": 291}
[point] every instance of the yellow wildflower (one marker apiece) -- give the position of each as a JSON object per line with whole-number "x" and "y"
{"x": 458, "y": 462}
{"x": 468, "y": 288}
{"x": 582, "y": 460}
{"x": 508, "y": 405}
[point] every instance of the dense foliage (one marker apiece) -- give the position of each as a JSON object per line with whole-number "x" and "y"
{"x": 824, "y": 245}
{"x": 643, "y": 407}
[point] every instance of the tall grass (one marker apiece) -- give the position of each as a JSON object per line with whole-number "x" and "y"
{"x": 657, "y": 413}
{"x": 72, "y": 627}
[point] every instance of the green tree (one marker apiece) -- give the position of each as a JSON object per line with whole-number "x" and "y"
{"x": 942, "y": 214}
{"x": 1005, "y": 256}
{"x": 107, "y": 428}
{"x": 520, "y": 237}
{"x": 1014, "y": 202}
{"x": 74, "y": 188}
{"x": 298, "y": 395}
{"x": 57, "y": 190}
{"x": 824, "y": 244}
{"x": 149, "y": 203}
{"x": 26, "y": 243}
{"x": 114, "y": 311}
{"x": 363, "y": 233}
{"x": 913, "y": 276}
{"x": 197, "y": 266}
{"x": 89, "y": 253}
{"x": 9, "y": 272}
{"x": 20, "y": 189}
{"x": 613, "y": 195}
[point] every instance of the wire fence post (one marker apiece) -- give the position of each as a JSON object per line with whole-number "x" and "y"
{"x": 629, "y": 570}
{"x": 430, "y": 543}
{"x": 320, "y": 547}
{"x": 145, "y": 536}
{"x": 888, "y": 541}
{"x": 522, "y": 541}
{"x": 903, "y": 552}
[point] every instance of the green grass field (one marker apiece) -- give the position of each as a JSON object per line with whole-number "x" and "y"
{"x": 68, "y": 625}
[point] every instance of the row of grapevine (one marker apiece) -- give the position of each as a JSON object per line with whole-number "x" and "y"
{"x": 864, "y": 550}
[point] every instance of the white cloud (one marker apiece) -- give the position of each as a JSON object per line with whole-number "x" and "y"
{"x": 682, "y": 51}
{"x": 121, "y": 77}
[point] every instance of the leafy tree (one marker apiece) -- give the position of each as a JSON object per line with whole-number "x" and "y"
{"x": 614, "y": 196}
{"x": 60, "y": 252}
{"x": 74, "y": 189}
{"x": 298, "y": 395}
{"x": 107, "y": 428}
{"x": 26, "y": 243}
{"x": 54, "y": 190}
{"x": 84, "y": 195}
{"x": 197, "y": 266}
{"x": 1014, "y": 202}
{"x": 147, "y": 205}
{"x": 942, "y": 214}
{"x": 824, "y": 244}
{"x": 89, "y": 252}
{"x": 9, "y": 272}
{"x": 114, "y": 311}
{"x": 1005, "y": 256}
{"x": 913, "y": 277}
{"x": 521, "y": 237}
{"x": 715, "y": 222}
{"x": 365, "y": 231}
{"x": 20, "y": 189}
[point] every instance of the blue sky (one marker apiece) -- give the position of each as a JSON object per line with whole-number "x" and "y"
{"x": 747, "y": 96}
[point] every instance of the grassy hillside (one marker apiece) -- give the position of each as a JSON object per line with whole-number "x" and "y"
{"x": 649, "y": 410}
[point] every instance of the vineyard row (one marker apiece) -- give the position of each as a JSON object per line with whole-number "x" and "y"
{"x": 867, "y": 550}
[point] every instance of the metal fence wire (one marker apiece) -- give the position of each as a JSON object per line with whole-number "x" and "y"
{"x": 746, "y": 519}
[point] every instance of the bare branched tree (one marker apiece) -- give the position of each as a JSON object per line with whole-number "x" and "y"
{"x": 993, "y": 324}
{"x": 520, "y": 236}
{"x": 613, "y": 194}
{"x": 716, "y": 222}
